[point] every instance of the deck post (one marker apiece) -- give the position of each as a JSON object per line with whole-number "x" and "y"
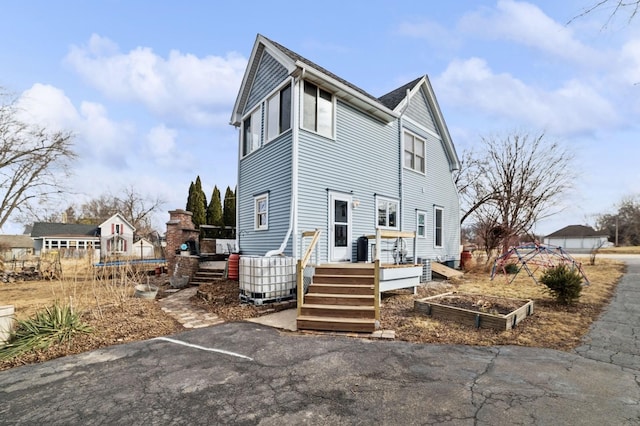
{"x": 299, "y": 285}
{"x": 376, "y": 288}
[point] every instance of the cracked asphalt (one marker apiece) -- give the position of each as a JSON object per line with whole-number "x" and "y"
{"x": 245, "y": 373}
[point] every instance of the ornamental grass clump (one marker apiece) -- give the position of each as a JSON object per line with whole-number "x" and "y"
{"x": 564, "y": 283}
{"x": 55, "y": 324}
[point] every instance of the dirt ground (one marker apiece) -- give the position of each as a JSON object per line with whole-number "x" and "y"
{"x": 116, "y": 317}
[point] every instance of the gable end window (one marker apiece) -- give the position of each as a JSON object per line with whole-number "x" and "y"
{"x": 438, "y": 226}
{"x": 387, "y": 213}
{"x": 317, "y": 114}
{"x": 414, "y": 152}
{"x": 261, "y": 209}
{"x": 279, "y": 113}
{"x": 251, "y": 132}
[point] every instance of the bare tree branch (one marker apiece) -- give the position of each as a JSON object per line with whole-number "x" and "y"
{"x": 34, "y": 161}
{"x": 616, "y": 7}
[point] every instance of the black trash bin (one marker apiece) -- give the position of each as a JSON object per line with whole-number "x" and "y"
{"x": 362, "y": 251}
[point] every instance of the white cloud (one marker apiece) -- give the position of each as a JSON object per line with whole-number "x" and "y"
{"x": 573, "y": 107}
{"x": 48, "y": 106}
{"x": 161, "y": 147}
{"x": 527, "y": 24}
{"x": 181, "y": 85}
{"x": 628, "y": 69}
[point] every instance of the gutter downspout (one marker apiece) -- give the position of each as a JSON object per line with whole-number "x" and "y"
{"x": 401, "y": 158}
{"x": 239, "y": 128}
{"x": 293, "y": 218}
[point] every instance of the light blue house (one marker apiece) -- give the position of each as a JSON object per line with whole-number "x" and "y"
{"x": 317, "y": 152}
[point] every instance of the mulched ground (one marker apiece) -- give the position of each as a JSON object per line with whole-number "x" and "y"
{"x": 551, "y": 325}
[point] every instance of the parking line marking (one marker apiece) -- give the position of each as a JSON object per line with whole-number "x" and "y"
{"x": 221, "y": 351}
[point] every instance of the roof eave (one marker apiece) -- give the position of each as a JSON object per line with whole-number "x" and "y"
{"x": 350, "y": 95}
{"x": 454, "y": 161}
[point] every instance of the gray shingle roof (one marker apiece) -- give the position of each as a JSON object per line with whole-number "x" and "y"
{"x": 296, "y": 57}
{"x": 578, "y": 231}
{"x": 393, "y": 98}
{"x": 45, "y": 229}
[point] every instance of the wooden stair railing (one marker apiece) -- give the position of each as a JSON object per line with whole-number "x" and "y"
{"x": 302, "y": 263}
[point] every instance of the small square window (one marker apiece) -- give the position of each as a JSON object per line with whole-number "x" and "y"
{"x": 387, "y": 213}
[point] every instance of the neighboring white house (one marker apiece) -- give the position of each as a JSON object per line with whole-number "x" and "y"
{"x": 114, "y": 236}
{"x": 577, "y": 238}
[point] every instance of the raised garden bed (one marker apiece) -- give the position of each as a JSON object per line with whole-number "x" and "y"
{"x": 476, "y": 310}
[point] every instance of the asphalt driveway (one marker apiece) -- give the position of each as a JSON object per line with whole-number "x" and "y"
{"x": 244, "y": 373}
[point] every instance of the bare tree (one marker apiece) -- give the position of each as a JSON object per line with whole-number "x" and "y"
{"x": 624, "y": 223}
{"x": 34, "y": 161}
{"x": 520, "y": 181}
{"x": 138, "y": 209}
{"x": 135, "y": 207}
{"x": 473, "y": 192}
{"x": 615, "y": 7}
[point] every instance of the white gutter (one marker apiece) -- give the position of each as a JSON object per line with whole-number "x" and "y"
{"x": 293, "y": 219}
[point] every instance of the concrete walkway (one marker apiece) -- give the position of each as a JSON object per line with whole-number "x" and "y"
{"x": 615, "y": 337}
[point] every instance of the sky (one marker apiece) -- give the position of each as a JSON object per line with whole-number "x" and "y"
{"x": 148, "y": 87}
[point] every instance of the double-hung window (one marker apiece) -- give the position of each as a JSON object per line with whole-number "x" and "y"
{"x": 261, "y": 208}
{"x": 438, "y": 226}
{"x": 387, "y": 213}
{"x": 279, "y": 113}
{"x": 317, "y": 114}
{"x": 414, "y": 152}
{"x": 251, "y": 132}
{"x": 421, "y": 222}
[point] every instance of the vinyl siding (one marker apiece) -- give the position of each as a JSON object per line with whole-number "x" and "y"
{"x": 362, "y": 161}
{"x": 424, "y": 192}
{"x": 267, "y": 169}
{"x": 420, "y": 111}
{"x": 270, "y": 74}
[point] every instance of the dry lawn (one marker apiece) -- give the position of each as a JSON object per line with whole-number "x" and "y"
{"x": 551, "y": 325}
{"x": 116, "y": 317}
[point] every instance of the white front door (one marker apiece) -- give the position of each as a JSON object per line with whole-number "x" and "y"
{"x": 339, "y": 227}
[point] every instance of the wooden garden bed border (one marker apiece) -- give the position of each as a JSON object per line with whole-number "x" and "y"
{"x": 429, "y": 306}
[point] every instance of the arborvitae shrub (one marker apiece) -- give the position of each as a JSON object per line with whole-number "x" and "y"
{"x": 564, "y": 283}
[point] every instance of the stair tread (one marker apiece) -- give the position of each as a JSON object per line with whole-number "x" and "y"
{"x": 338, "y": 307}
{"x": 342, "y": 296}
{"x": 336, "y": 319}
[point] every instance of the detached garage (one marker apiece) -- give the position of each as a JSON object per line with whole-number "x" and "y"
{"x": 578, "y": 238}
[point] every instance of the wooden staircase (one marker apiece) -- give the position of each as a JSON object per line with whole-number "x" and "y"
{"x": 206, "y": 275}
{"x": 341, "y": 298}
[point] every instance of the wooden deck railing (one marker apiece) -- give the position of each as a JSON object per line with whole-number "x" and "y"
{"x": 302, "y": 264}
